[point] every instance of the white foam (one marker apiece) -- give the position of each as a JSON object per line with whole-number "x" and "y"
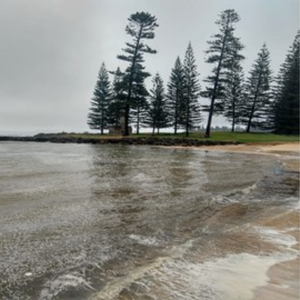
{"x": 147, "y": 241}
{"x": 113, "y": 288}
{"x": 61, "y": 283}
{"x": 233, "y": 277}
{"x": 277, "y": 237}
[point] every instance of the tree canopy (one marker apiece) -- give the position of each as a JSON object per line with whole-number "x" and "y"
{"x": 141, "y": 26}
{"x": 98, "y": 118}
{"x": 254, "y": 103}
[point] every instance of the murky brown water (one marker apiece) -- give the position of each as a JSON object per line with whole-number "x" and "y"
{"x": 126, "y": 222}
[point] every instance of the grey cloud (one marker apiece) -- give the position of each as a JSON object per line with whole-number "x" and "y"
{"x": 51, "y": 51}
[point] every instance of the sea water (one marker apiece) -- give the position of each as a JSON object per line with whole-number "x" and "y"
{"x": 129, "y": 222}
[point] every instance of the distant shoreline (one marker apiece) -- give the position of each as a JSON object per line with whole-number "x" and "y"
{"x": 244, "y": 142}
{"x": 151, "y": 141}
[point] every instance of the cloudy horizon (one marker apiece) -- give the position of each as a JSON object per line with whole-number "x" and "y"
{"x": 51, "y": 51}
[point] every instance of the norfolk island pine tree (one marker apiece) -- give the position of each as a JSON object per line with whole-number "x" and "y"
{"x": 258, "y": 91}
{"x": 286, "y": 104}
{"x": 220, "y": 50}
{"x": 99, "y": 110}
{"x": 175, "y": 95}
{"x": 141, "y": 26}
{"x": 157, "y": 114}
{"x": 190, "y": 108}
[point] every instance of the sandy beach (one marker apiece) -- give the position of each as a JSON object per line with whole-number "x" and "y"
{"x": 290, "y": 149}
{"x": 254, "y": 148}
{"x": 288, "y": 153}
{"x": 282, "y": 278}
{"x": 272, "y": 241}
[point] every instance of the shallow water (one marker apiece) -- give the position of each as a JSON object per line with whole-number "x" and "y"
{"x": 122, "y": 222}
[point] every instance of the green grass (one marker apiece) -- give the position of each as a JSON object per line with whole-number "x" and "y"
{"x": 241, "y": 137}
{"x": 87, "y": 135}
{"x": 244, "y": 137}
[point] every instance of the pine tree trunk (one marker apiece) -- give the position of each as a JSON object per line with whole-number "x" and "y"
{"x": 176, "y": 114}
{"x": 138, "y": 121}
{"x": 187, "y": 128}
{"x": 188, "y": 115}
{"x": 212, "y": 104}
{"x": 251, "y": 116}
{"x": 175, "y": 123}
{"x": 187, "y": 124}
{"x": 253, "y": 105}
{"x": 211, "y": 109}
{"x": 102, "y": 122}
{"x": 127, "y": 108}
{"x": 233, "y": 115}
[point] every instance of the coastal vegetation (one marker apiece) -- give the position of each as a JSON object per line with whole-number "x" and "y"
{"x": 240, "y": 137}
{"x": 224, "y": 54}
{"x": 141, "y": 27}
{"x": 260, "y": 102}
{"x": 179, "y": 138}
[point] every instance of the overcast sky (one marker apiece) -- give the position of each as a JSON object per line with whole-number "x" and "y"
{"x": 51, "y": 50}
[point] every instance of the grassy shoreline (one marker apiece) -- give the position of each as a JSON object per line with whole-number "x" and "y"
{"x": 240, "y": 137}
{"x": 165, "y": 139}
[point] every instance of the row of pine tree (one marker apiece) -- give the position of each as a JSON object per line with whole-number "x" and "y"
{"x": 260, "y": 101}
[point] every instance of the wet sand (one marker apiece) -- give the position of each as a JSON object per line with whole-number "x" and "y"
{"x": 278, "y": 149}
{"x": 283, "y": 277}
{"x": 249, "y": 250}
{"x": 253, "y": 148}
{"x": 283, "y": 280}
{"x": 276, "y": 275}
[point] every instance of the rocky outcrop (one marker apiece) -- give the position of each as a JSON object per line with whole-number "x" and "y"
{"x": 152, "y": 141}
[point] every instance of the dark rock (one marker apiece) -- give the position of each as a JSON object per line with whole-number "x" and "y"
{"x": 152, "y": 141}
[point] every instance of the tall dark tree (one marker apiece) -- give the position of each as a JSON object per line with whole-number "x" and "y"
{"x": 117, "y": 103}
{"x": 221, "y": 49}
{"x": 287, "y": 93}
{"x": 141, "y": 26}
{"x": 99, "y": 111}
{"x": 190, "y": 115}
{"x": 258, "y": 92}
{"x": 175, "y": 95}
{"x": 139, "y": 98}
{"x": 156, "y": 115}
{"x": 234, "y": 95}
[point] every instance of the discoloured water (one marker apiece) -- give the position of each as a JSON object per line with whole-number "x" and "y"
{"x": 127, "y": 222}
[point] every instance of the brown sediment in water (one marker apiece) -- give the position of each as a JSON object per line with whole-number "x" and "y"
{"x": 248, "y": 249}
{"x": 282, "y": 281}
{"x": 284, "y": 277}
{"x": 207, "y": 220}
{"x": 282, "y": 284}
{"x": 253, "y": 148}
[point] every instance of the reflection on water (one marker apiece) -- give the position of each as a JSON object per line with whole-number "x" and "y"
{"x": 77, "y": 219}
